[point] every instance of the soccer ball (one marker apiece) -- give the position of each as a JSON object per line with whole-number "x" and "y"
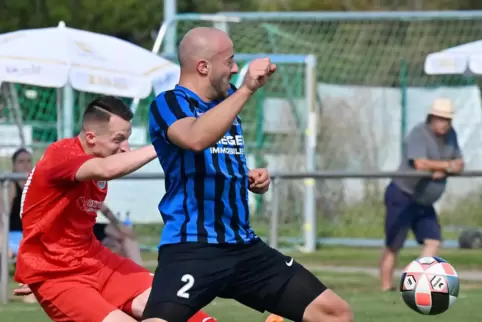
{"x": 429, "y": 285}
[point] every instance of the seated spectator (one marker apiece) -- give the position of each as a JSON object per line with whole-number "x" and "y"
{"x": 21, "y": 163}
{"x": 118, "y": 237}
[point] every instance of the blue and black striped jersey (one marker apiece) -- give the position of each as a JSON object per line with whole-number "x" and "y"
{"x": 206, "y": 198}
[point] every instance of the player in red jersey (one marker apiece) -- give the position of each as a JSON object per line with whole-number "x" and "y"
{"x": 73, "y": 276}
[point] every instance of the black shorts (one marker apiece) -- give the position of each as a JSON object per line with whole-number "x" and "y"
{"x": 189, "y": 276}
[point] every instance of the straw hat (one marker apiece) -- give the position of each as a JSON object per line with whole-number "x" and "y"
{"x": 443, "y": 107}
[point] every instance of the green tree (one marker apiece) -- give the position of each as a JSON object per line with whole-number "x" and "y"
{"x": 132, "y": 18}
{"x": 135, "y": 20}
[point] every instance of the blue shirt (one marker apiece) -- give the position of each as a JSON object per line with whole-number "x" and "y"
{"x": 206, "y": 198}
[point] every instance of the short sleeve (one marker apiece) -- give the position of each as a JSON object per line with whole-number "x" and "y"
{"x": 458, "y": 151}
{"x": 415, "y": 144}
{"x": 167, "y": 108}
{"x": 61, "y": 169}
{"x": 232, "y": 89}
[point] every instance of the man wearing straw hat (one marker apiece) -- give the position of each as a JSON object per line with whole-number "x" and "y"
{"x": 431, "y": 146}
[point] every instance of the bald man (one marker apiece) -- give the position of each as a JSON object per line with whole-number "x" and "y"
{"x": 207, "y": 247}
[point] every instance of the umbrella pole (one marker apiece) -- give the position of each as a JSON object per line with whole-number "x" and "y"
{"x": 68, "y": 111}
{"x": 4, "y": 215}
{"x": 135, "y": 105}
{"x": 17, "y": 112}
{"x": 13, "y": 105}
{"x": 59, "y": 113}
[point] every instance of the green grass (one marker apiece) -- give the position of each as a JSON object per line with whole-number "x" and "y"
{"x": 359, "y": 289}
{"x": 345, "y": 256}
{"x": 369, "y": 257}
{"x": 355, "y": 221}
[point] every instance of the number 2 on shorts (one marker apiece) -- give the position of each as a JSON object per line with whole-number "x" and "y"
{"x": 183, "y": 291}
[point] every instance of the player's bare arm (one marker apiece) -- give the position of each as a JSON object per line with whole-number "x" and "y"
{"x": 105, "y": 132}
{"x": 197, "y": 134}
{"x": 115, "y": 166}
{"x": 104, "y": 141}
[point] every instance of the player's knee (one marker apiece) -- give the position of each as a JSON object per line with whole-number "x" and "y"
{"x": 328, "y": 307}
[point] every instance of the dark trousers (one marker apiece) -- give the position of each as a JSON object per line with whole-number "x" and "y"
{"x": 404, "y": 213}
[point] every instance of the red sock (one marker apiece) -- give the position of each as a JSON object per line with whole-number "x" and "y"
{"x": 201, "y": 317}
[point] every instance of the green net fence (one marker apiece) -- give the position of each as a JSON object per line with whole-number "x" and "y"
{"x": 367, "y": 68}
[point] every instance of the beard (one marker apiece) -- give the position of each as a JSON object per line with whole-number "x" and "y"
{"x": 220, "y": 88}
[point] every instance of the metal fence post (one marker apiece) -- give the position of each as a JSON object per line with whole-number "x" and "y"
{"x": 274, "y": 222}
{"x": 4, "y": 254}
{"x": 310, "y": 155}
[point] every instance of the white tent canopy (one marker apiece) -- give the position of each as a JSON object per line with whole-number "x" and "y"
{"x": 463, "y": 59}
{"x": 89, "y": 62}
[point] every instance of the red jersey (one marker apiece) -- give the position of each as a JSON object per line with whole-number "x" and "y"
{"x": 58, "y": 216}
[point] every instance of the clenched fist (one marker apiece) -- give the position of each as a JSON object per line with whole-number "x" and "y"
{"x": 259, "y": 71}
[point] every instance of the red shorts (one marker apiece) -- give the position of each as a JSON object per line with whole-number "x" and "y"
{"x": 91, "y": 297}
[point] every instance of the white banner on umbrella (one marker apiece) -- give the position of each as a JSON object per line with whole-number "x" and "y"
{"x": 97, "y": 81}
